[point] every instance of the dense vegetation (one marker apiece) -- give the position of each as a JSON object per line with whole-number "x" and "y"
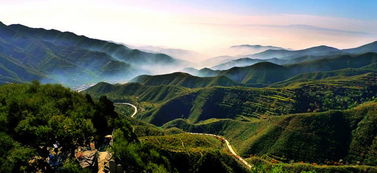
{"x": 136, "y": 92}
{"x": 36, "y": 117}
{"x": 171, "y": 102}
{"x": 195, "y": 153}
{"x": 345, "y": 137}
{"x": 331, "y": 129}
{"x": 295, "y": 111}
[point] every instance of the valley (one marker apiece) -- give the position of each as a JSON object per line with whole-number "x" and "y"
{"x": 257, "y": 109}
{"x": 268, "y": 121}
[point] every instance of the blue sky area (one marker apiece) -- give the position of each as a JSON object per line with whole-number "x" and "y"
{"x": 357, "y": 9}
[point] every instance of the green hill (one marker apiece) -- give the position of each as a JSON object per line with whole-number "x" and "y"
{"x": 313, "y": 137}
{"x": 129, "y": 91}
{"x": 265, "y": 73}
{"x": 242, "y": 62}
{"x": 262, "y": 74}
{"x": 204, "y": 72}
{"x": 291, "y": 54}
{"x": 334, "y": 63}
{"x": 184, "y": 80}
{"x": 195, "y": 153}
{"x": 233, "y": 102}
{"x": 371, "y": 47}
{"x": 337, "y": 74}
{"x": 219, "y": 102}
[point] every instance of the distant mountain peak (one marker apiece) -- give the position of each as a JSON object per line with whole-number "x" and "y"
{"x": 2, "y": 24}
{"x": 266, "y": 65}
{"x": 206, "y": 69}
{"x": 321, "y": 47}
{"x": 370, "y": 47}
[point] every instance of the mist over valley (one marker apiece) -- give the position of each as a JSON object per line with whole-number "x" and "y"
{"x": 188, "y": 86}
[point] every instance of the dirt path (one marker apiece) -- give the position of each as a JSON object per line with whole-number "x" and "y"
{"x": 230, "y": 148}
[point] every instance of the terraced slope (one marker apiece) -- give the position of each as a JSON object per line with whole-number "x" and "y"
{"x": 232, "y": 102}
{"x": 324, "y": 137}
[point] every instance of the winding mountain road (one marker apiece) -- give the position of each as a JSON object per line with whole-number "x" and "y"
{"x": 133, "y": 106}
{"x": 230, "y": 148}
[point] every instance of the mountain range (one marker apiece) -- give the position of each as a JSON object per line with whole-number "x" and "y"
{"x": 63, "y": 57}
{"x": 53, "y": 56}
{"x": 227, "y": 96}
{"x": 281, "y": 56}
{"x": 274, "y": 110}
{"x": 242, "y": 62}
{"x": 247, "y": 49}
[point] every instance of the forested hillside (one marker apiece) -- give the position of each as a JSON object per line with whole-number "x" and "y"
{"x": 312, "y": 137}
{"x": 276, "y": 110}
{"x": 43, "y": 126}
{"x": 232, "y": 102}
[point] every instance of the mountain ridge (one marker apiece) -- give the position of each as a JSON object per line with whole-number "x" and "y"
{"x": 256, "y": 74}
{"x": 55, "y": 55}
{"x": 184, "y": 79}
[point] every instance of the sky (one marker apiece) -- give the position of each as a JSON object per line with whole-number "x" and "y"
{"x": 204, "y": 25}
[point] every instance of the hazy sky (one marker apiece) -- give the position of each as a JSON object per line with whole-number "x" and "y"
{"x": 204, "y": 25}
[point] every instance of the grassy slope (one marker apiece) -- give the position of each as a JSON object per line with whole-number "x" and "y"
{"x": 310, "y": 137}
{"x": 296, "y": 137}
{"x": 160, "y": 104}
{"x": 188, "y": 152}
{"x": 270, "y": 166}
{"x": 330, "y": 75}
{"x": 129, "y": 91}
{"x": 242, "y": 134}
{"x": 185, "y": 142}
{"x": 184, "y": 80}
{"x": 222, "y": 102}
{"x": 233, "y": 102}
{"x": 193, "y": 153}
{"x": 260, "y": 73}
